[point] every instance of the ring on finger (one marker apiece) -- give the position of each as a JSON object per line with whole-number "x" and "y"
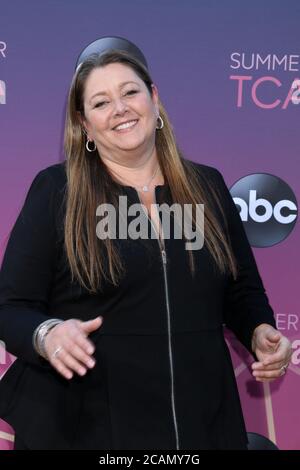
{"x": 56, "y": 352}
{"x": 284, "y": 368}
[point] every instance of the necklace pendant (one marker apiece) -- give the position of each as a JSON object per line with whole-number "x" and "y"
{"x": 145, "y": 189}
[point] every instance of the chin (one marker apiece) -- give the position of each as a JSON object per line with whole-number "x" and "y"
{"x": 134, "y": 144}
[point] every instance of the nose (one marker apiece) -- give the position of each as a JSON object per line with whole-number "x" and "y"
{"x": 119, "y": 106}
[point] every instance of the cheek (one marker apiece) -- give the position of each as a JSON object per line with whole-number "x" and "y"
{"x": 98, "y": 123}
{"x": 146, "y": 106}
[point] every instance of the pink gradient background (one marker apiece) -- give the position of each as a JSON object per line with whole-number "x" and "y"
{"x": 188, "y": 47}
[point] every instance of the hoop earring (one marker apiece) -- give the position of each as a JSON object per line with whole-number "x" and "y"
{"x": 161, "y": 123}
{"x": 88, "y": 148}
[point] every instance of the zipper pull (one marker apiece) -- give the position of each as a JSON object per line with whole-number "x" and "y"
{"x": 164, "y": 256}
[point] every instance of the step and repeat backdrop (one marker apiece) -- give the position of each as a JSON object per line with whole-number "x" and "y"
{"x": 228, "y": 73}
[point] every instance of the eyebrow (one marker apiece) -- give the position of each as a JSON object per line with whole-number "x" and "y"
{"x": 104, "y": 93}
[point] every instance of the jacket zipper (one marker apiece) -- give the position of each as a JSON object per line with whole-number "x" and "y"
{"x": 164, "y": 263}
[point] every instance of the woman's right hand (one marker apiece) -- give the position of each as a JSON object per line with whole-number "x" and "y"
{"x": 68, "y": 348}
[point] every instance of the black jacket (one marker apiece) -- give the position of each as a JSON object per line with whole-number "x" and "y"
{"x": 164, "y": 378}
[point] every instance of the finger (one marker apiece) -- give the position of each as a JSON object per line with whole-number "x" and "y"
{"x": 62, "y": 369}
{"x": 281, "y": 355}
{"x": 84, "y": 343}
{"x": 273, "y": 337}
{"x": 272, "y": 345}
{"x": 71, "y": 363}
{"x": 264, "y": 380}
{"x": 79, "y": 354}
{"x": 268, "y": 374}
{"x": 272, "y": 366}
{"x": 91, "y": 325}
{"x": 257, "y": 365}
{"x": 276, "y": 358}
{"x": 75, "y": 347}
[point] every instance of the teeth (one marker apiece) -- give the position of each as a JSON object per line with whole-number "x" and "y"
{"x": 126, "y": 125}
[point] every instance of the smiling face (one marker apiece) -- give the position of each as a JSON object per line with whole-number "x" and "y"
{"x": 120, "y": 113}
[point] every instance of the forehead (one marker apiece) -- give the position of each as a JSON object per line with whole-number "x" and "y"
{"x": 109, "y": 77}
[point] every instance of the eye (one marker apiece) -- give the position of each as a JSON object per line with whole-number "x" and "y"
{"x": 131, "y": 92}
{"x": 100, "y": 104}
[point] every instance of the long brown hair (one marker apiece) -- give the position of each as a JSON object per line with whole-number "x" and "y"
{"x": 89, "y": 184}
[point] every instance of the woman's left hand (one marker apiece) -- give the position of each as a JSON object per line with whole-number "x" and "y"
{"x": 273, "y": 351}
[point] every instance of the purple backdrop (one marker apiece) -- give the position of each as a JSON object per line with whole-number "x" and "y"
{"x": 188, "y": 46}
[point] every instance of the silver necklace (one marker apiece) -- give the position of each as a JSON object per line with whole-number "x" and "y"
{"x": 144, "y": 187}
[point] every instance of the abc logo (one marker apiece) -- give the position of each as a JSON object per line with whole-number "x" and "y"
{"x": 267, "y": 207}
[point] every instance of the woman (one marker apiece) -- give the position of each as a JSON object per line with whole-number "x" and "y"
{"x": 120, "y": 341}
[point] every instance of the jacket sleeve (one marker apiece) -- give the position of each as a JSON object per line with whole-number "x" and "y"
{"x": 27, "y": 269}
{"x": 246, "y": 304}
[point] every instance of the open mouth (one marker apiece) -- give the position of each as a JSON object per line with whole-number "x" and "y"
{"x": 126, "y": 126}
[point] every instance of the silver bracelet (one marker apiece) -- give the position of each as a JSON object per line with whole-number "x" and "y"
{"x": 40, "y": 334}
